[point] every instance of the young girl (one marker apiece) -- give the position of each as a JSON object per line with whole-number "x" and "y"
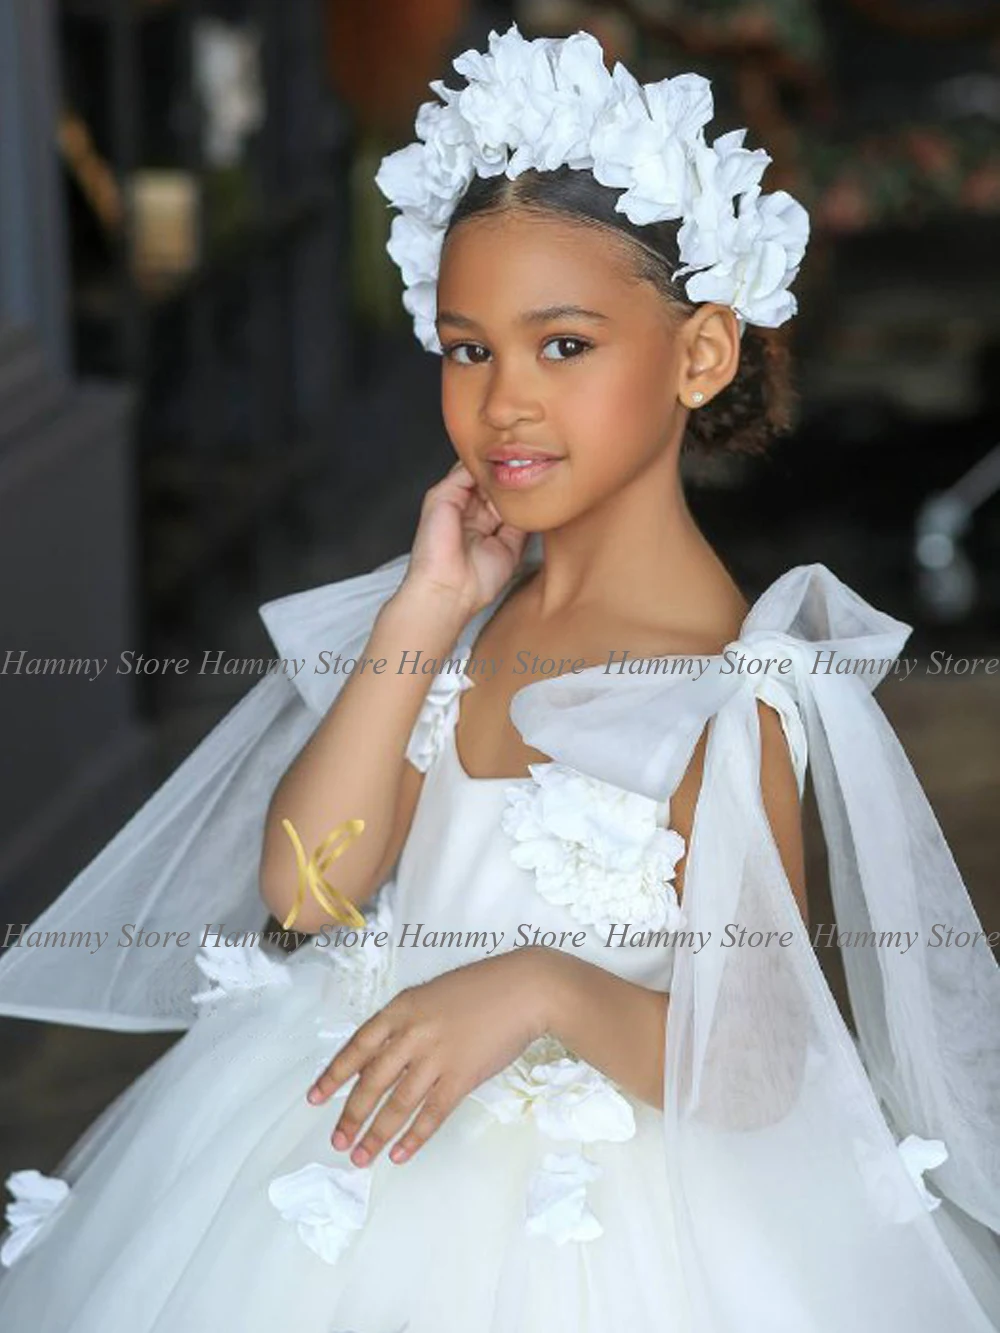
{"x": 555, "y": 1051}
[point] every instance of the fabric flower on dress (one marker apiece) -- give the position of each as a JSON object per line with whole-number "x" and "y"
{"x": 364, "y": 967}
{"x": 236, "y": 968}
{"x": 438, "y": 715}
{"x": 557, "y": 1199}
{"x": 596, "y": 849}
{"x": 568, "y": 1098}
{"x": 327, "y": 1204}
{"x": 920, "y": 1155}
{"x": 895, "y": 1200}
{"x": 38, "y": 1200}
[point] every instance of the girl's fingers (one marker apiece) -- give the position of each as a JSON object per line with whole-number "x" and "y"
{"x": 368, "y": 1039}
{"x": 479, "y": 517}
{"x": 482, "y": 506}
{"x": 459, "y": 473}
{"x": 459, "y": 490}
{"x": 479, "y": 544}
{"x": 438, "y": 1105}
{"x": 376, "y": 1078}
{"x": 395, "y": 1111}
{"x": 458, "y": 477}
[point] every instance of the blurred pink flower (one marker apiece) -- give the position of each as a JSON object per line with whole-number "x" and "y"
{"x": 932, "y": 152}
{"x": 845, "y": 206}
{"x": 981, "y": 188}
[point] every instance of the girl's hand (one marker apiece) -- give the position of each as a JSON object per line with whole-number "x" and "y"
{"x": 441, "y": 1040}
{"x": 462, "y": 546}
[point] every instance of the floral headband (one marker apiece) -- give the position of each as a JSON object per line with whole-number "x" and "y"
{"x": 550, "y": 102}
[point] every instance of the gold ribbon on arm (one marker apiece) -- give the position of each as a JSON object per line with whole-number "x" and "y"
{"x": 330, "y": 899}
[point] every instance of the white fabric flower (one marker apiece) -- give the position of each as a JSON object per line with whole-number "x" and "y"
{"x": 363, "y": 967}
{"x": 920, "y": 1155}
{"x": 236, "y": 968}
{"x": 328, "y": 1204}
{"x": 438, "y": 715}
{"x": 894, "y": 1200}
{"x": 682, "y": 104}
{"x": 424, "y": 176}
{"x": 579, "y": 66}
{"x": 756, "y": 254}
{"x": 624, "y": 134}
{"x": 721, "y": 171}
{"x": 655, "y": 168}
{"x": 567, "y": 1097}
{"x": 659, "y": 186}
{"x": 421, "y": 302}
{"x": 551, "y": 102}
{"x": 416, "y": 248}
{"x": 557, "y": 1199}
{"x": 38, "y": 1200}
{"x": 596, "y": 849}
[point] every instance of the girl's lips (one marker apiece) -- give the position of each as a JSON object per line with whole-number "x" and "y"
{"x": 515, "y": 478}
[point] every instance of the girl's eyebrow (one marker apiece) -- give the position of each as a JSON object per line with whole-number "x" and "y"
{"x": 542, "y": 316}
{"x": 559, "y": 312}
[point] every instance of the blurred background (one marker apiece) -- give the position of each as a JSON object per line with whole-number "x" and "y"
{"x": 210, "y": 395}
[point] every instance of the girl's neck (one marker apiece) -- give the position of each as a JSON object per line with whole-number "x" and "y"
{"x": 642, "y": 557}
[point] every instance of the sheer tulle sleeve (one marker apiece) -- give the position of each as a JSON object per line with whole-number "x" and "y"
{"x": 796, "y": 1208}
{"x": 189, "y": 858}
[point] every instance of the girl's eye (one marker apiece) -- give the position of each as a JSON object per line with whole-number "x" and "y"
{"x": 577, "y": 347}
{"x": 474, "y": 354}
{"x": 453, "y": 351}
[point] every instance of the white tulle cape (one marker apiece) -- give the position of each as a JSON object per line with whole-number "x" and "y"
{"x": 781, "y": 1132}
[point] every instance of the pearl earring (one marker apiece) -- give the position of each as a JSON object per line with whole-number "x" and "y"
{"x": 697, "y": 396}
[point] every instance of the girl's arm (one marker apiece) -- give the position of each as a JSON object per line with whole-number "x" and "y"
{"x": 616, "y": 1025}
{"x": 354, "y": 764}
{"x": 443, "y": 1038}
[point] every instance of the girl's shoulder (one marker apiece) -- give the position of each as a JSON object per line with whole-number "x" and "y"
{"x": 807, "y": 641}
{"x": 629, "y": 718}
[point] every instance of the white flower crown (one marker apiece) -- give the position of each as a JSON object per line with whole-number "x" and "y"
{"x": 551, "y": 102}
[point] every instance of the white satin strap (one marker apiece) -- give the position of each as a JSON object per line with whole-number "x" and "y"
{"x": 639, "y": 731}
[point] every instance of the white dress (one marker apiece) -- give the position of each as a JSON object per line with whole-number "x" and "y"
{"x": 209, "y": 1197}
{"x": 797, "y": 1180}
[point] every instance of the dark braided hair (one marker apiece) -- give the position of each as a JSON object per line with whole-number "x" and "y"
{"x": 757, "y": 405}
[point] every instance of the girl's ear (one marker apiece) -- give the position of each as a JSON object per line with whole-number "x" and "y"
{"x": 710, "y": 355}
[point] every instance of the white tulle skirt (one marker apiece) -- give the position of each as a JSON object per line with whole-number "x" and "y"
{"x": 173, "y": 1224}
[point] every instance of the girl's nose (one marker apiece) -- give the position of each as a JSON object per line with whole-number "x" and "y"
{"x": 510, "y": 398}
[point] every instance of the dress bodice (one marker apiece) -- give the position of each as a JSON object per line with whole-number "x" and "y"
{"x": 555, "y": 858}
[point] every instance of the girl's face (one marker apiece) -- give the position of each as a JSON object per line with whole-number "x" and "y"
{"x": 552, "y": 344}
